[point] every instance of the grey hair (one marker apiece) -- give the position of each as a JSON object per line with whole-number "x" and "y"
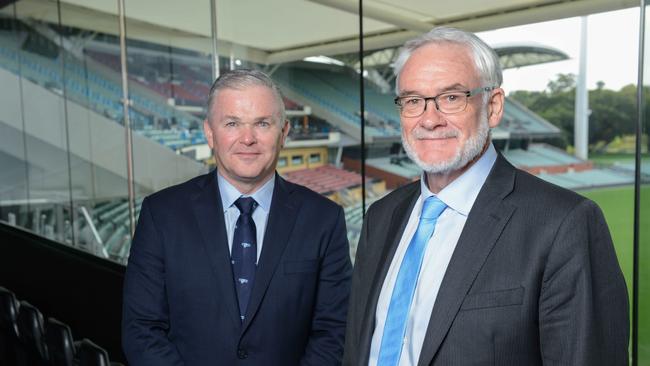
{"x": 240, "y": 79}
{"x": 486, "y": 61}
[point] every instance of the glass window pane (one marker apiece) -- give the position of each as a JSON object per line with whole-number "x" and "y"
{"x": 36, "y": 121}
{"x": 536, "y": 134}
{"x": 169, "y": 76}
{"x": 14, "y": 197}
{"x": 296, "y": 160}
{"x": 319, "y": 80}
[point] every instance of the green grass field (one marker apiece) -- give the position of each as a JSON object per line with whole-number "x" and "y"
{"x": 615, "y": 158}
{"x": 618, "y": 206}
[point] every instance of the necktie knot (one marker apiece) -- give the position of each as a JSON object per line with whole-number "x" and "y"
{"x": 246, "y": 205}
{"x": 432, "y": 208}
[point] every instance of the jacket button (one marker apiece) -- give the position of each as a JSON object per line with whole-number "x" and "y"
{"x": 242, "y": 354}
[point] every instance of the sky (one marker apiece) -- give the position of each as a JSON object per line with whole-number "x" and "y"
{"x": 612, "y": 50}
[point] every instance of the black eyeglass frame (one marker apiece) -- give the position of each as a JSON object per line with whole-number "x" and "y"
{"x": 468, "y": 93}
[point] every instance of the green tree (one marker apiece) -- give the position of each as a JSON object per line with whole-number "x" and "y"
{"x": 613, "y": 113}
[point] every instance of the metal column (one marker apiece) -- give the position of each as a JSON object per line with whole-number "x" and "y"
{"x": 126, "y": 102}
{"x": 213, "y": 24}
{"x": 581, "y": 128}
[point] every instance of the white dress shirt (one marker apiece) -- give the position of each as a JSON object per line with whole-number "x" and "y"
{"x": 263, "y": 196}
{"x": 459, "y": 196}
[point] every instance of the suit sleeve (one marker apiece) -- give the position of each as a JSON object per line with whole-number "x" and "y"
{"x": 325, "y": 345}
{"x": 145, "y": 318}
{"x": 583, "y": 306}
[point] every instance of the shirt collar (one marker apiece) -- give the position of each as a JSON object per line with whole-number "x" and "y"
{"x": 229, "y": 194}
{"x": 461, "y": 193}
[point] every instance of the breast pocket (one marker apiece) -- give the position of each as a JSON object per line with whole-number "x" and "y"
{"x": 302, "y": 266}
{"x": 494, "y": 299}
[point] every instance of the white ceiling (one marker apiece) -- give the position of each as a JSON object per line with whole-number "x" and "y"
{"x": 274, "y": 31}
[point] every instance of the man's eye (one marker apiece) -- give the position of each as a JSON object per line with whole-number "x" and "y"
{"x": 411, "y": 101}
{"x": 452, "y": 98}
{"x": 231, "y": 124}
{"x": 264, "y": 124}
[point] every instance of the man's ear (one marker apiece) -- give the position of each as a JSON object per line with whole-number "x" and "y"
{"x": 207, "y": 131}
{"x": 285, "y": 132}
{"x": 495, "y": 106}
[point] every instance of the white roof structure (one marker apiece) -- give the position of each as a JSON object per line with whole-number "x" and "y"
{"x": 515, "y": 55}
{"x": 278, "y": 31}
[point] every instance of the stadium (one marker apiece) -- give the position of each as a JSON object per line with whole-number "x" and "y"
{"x": 78, "y": 159}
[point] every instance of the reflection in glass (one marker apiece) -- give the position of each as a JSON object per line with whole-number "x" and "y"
{"x": 36, "y": 180}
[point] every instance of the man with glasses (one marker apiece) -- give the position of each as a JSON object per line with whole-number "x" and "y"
{"x": 478, "y": 263}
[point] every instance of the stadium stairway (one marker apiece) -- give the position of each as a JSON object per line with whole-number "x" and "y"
{"x": 110, "y": 220}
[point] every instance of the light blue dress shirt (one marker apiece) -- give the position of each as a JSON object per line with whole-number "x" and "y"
{"x": 263, "y": 196}
{"x": 459, "y": 196}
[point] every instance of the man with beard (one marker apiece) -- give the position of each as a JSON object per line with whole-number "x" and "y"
{"x": 478, "y": 263}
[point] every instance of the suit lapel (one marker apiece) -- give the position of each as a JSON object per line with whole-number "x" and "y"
{"x": 483, "y": 227}
{"x": 396, "y": 227}
{"x": 281, "y": 220}
{"x": 208, "y": 212}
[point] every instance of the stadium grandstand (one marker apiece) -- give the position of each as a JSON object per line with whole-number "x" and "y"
{"x": 543, "y": 160}
{"x": 74, "y": 174}
{"x": 169, "y": 86}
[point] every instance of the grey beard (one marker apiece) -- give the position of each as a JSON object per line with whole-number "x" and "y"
{"x": 472, "y": 148}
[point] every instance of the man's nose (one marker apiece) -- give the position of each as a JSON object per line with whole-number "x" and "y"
{"x": 248, "y": 135}
{"x": 431, "y": 117}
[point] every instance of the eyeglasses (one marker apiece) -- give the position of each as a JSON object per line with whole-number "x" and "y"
{"x": 447, "y": 103}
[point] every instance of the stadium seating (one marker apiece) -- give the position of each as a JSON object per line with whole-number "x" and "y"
{"x": 554, "y": 155}
{"x": 26, "y": 341}
{"x": 186, "y": 85}
{"x": 324, "y": 179}
{"x": 111, "y": 219}
{"x": 629, "y": 167}
{"x": 519, "y": 122}
{"x": 31, "y": 332}
{"x": 540, "y": 155}
{"x": 91, "y": 354}
{"x": 174, "y": 138}
{"x": 60, "y": 343}
{"x": 317, "y": 88}
{"x": 595, "y": 178}
{"x": 90, "y": 84}
{"x": 9, "y": 341}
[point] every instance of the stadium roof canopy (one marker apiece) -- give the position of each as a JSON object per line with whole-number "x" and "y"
{"x": 519, "y": 55}
{"x": 511, "y": 55}
{"x": 277, "y": 31}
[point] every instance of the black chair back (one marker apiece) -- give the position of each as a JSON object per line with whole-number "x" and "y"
{"x": 32, "y": 334}
{"x": 8, "y": 327}
{"x": 90, "y": 354}
{"x": 60, "y": 344}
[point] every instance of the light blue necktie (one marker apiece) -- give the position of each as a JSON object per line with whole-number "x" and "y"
{"x": 407, "y": 278}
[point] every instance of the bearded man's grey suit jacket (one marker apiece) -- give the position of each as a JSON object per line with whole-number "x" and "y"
{"x": 534, "y": 279}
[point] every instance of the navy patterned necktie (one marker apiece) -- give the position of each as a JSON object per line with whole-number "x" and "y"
{"x": 243, "y": 255}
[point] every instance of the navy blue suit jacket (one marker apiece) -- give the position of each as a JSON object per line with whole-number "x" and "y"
{"x": 180, "y": 305}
